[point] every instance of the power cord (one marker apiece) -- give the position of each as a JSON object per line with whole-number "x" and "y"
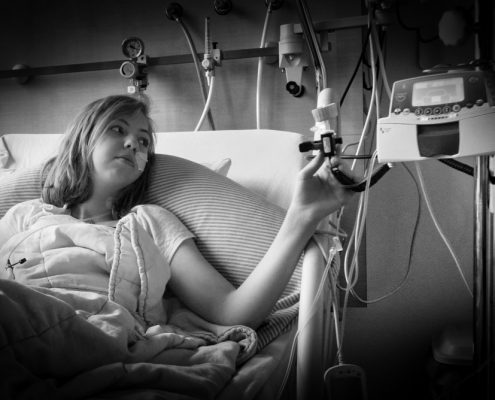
{"x": 411, "y": 249}
{"x": 439, "y": 229}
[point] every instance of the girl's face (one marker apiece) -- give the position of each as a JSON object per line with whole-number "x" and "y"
{"x": 116, "y": 156}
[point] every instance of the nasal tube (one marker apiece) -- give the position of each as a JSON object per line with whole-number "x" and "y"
{"x": 141, "y": 160}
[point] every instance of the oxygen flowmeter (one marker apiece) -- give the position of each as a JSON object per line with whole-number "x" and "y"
{"x": 445, "y": 115}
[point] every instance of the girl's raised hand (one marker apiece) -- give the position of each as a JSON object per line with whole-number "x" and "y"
{"x": 317, "y": 193}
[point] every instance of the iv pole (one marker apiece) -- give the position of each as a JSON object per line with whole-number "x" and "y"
{"x": 483, "y": 329}
{"x": 483, "y": 281}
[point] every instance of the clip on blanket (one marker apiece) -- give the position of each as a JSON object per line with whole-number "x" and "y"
{"x": 10, "y": 267}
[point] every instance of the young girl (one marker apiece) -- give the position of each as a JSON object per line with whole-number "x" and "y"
{"x": 99, "y": 177}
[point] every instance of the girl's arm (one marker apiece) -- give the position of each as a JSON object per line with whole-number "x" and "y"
{"x": 206, "y": 292}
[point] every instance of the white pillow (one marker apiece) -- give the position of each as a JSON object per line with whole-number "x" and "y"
{"x": 4, "y": 153}
{"x": 220, "y": 167}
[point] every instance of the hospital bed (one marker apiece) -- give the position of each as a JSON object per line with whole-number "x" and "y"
{"x": 230, "y": 188}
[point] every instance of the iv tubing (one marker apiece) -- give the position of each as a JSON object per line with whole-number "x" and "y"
{"x": 351, "y": 279}
{"x": 413, "y": 240}
{"x": 351, "y": 273}
{"x": 260, "y": 68}
{"x": 381, "y": 60}
{"x": 313, "y": 310}
{"x": 197, "y": 64}
{"x": 207, "y": 105}
{"x": 442, "y": 235}
{"x": 358, "y": 230}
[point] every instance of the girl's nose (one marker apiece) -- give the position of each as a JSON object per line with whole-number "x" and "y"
{"x": 131, "y": 142}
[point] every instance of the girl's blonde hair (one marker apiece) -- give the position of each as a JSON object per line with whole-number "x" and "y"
{"x": 68, "y": 181}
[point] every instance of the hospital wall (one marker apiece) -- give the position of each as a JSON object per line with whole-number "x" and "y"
{"x": 390, "y": 339}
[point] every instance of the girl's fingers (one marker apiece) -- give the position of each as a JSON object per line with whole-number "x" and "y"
{"x": 312, "y": 167}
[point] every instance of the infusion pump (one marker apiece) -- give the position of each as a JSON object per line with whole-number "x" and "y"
{"x": 444, "y": 115}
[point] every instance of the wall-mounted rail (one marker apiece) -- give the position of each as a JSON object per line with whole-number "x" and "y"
{"x": 152, "y": 61}
{"x": 320, "y": 27}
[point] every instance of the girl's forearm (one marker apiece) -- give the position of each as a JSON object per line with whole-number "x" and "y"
{"x": 251, "y": 303}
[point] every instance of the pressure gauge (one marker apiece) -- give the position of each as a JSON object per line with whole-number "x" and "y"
{"x": 129, "y": 69}
{"x": 132, "y": 47}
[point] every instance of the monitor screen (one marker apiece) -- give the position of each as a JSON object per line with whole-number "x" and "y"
{"x": 438, "y": 91}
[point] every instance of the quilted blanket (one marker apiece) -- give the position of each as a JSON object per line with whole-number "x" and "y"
{"x": 106, "y": 334}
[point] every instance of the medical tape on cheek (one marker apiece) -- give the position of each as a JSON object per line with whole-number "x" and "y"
{"x": 141, "y": 160}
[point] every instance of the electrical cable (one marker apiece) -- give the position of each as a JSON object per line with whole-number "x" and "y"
{"x": 373, "y": 91}
{"x": 260, "y": 67}
{"x": 411, "y": 249}
{"x": 439, "y": 229}
{"x": 355, "y": 237}
{"x": 356, "y": 68}
{"x": 360, "y": 219}
{"x": 365, "y": 86}
{"x": 358, "y": 231}
{"x": 459, "y": 166}
{"x": 207, "y": 105}
{"x": 467, "y": 169}
{"x": 365, "y": 129}
{"x": 334, "y": 300}
{"x": 197, "y": 64}
{"x": 351, "y": 273}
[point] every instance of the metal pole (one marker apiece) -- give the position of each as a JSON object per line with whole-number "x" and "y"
{"x": 483, "y": 283}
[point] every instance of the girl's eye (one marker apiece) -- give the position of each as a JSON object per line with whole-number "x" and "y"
{"x": 117, "y": 129}
{"x": 144, "y": 141}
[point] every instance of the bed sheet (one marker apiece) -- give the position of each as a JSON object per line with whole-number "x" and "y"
{"x": 263, "y": 375}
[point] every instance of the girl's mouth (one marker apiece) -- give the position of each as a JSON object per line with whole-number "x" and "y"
{"x": 127, "y": 160}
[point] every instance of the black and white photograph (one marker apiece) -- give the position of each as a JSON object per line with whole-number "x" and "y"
{"x": 247, "y": 200}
